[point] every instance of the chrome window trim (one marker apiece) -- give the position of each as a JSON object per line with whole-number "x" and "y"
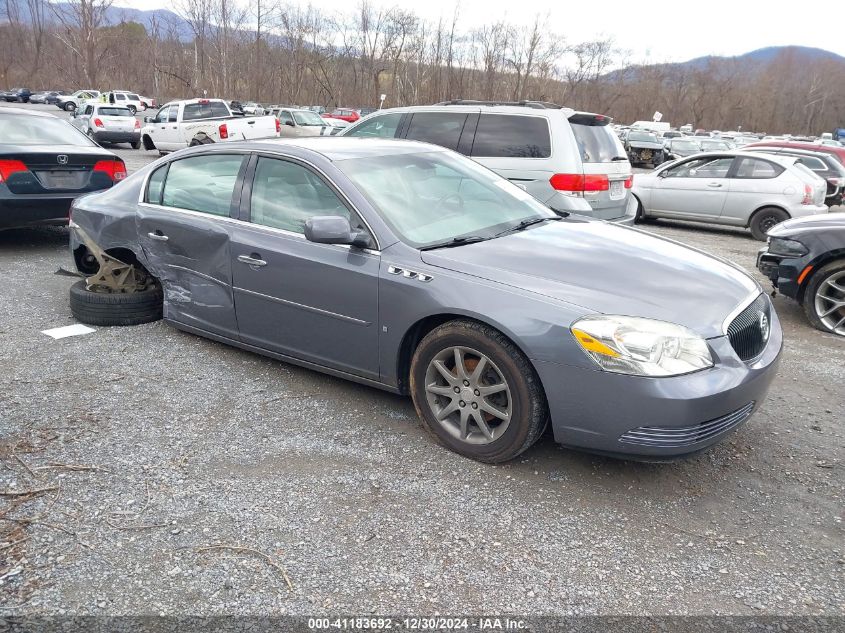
{"x": 751, "y": 298}
{"x": 250, "y": 225}
{"x": 247, "y": 153}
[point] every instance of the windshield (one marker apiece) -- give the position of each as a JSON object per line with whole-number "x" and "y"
{"x": 684, "y": 146}
{"x": 114, "y": 112}
{"x": 597, "y": 143}
{"x": 306, "y": 117}
{"x": 434, "y": 197}
{"x": 32, "y": 130}
{"x": 642, "y": 136}
{"x": 710, "y": 146}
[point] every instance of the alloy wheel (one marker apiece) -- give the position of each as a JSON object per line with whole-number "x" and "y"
{"x": 468, "y": 395}
{"x": 830, "y": 303}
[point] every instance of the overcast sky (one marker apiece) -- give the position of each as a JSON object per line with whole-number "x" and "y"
{"x": 653, "y": 32}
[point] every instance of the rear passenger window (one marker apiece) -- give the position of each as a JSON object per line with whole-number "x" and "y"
{"x": 383, "y": 126}
{"x": 439, "y": 128}
{"x": 812, "y": 163}
{"x": 285, "y": 194}
{"x": 202, "y": 183}
{"x": 752, "y": 168}
{"x": 511, "y": 136}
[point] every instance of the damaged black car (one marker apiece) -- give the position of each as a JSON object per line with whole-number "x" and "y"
{"x": 644, "y": 148}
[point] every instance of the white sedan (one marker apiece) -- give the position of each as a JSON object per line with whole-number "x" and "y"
{"x": 751, "y": 190}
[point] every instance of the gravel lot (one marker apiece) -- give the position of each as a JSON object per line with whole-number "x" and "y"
{"x": 159, "y": 454}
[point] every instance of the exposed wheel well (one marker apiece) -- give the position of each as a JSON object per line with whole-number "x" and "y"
{"x": 763, "y": 208}
{"x": 148, "y": 142}
{"x": 87, "y": 264}
{"x": 418, "y": 331}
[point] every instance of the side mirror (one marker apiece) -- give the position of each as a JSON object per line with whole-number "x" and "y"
{"x": 663, "y": 173}
{"x": 148, "y": 119}
{"x": 334, "y": 229}
{"x": 290, "y": 123}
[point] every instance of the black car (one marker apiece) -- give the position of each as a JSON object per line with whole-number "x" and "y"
{"x": 680, "y": 147}
{"x": 805, "y": 259}
{"x": 824, "y": 165}
{"x": 45, "y": 163}
{"x": 17, "y": 94}
{"x": 643, "y": 147}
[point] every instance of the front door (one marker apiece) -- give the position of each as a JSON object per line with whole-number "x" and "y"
{"x": 184, "y": 228}
{"x": 696, "y": 189}
{"x": 314, "y": 302}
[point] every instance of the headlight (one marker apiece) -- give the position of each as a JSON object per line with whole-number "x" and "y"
{"x": 788, "y": 248}
{"x": 641, "y": 347}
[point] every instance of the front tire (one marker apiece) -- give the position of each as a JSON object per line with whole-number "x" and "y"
{"x": 824, "y": 299}
{"x": 103, "y": 308}
{"x": 476, "y": 392}
{"x": 766, "y": 219}
{"x": 132, "y": 109}
{"x": 136, "y": 144}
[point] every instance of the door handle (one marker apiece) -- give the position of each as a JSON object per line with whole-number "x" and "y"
{"x": 158, "y": 235}
{"x": 250, "y": 122}
{"x": 255, "y": 260}
{"x": 714, "y": 184}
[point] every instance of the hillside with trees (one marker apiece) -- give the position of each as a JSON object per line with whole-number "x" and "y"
{"x": 294, "y": 53}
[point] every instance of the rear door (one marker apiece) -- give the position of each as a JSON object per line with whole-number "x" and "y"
{"x": 184, "y": 226}
{"x": 694, "y": 189}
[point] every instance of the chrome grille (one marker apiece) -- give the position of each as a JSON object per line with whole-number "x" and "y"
{"x": 749, "y": 331}
{"x": 669, "y": 437}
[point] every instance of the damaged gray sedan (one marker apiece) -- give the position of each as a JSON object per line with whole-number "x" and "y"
{"x": 411, "y": 268}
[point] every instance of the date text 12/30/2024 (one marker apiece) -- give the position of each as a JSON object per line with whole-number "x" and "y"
{"x": 416, "y": 624}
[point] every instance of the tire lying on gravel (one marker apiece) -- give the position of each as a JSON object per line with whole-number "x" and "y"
{"x": 476, "y": 392}
{"x": 103, "y": 308}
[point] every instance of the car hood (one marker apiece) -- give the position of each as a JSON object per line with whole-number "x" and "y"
{"x": 825, "y": 222}
{"x": 609, "y": 269}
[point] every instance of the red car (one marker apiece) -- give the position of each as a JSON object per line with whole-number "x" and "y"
{"x": 839, "y": 152}
{"x": 344, "y": 114}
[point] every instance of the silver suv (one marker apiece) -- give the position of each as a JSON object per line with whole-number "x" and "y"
{"x": 571, "y": 161}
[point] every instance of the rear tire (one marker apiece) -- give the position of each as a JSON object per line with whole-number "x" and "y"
{"x": 520, "y": 394}
{"x": 70, "y": 107}
{"x": 821, "y": 294}
{"x": 132, "y": 109}
{"x": 764, "y": 220}
{"x": 136, "y": 145}
{"x": 102, "y": 308}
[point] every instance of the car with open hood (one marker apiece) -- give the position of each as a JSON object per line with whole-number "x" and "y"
{"x": 644, "y": 148}
{"x": 411, "y": 268}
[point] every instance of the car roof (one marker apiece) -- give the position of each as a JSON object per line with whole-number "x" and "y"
{"x": 794, "y": 151}
{"x": 23, "y": 112}
{"x": 336, "y": 148}
{"x": 501, "y": 109}
{"x": 776, "y": 158}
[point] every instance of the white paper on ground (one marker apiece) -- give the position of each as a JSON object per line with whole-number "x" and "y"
{"x": 68, "y": 330}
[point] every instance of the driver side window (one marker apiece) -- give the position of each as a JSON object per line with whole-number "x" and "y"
{"x": 702, "y": 168}
{"x": 285, "y": 194}
{"x": 161, "y": 115}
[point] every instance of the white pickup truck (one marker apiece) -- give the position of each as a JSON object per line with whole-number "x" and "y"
{"x": 192, "y": 122}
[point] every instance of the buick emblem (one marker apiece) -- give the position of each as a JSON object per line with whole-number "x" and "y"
{"x": 765, "y": 330}
{"x": 62, "y": 159}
